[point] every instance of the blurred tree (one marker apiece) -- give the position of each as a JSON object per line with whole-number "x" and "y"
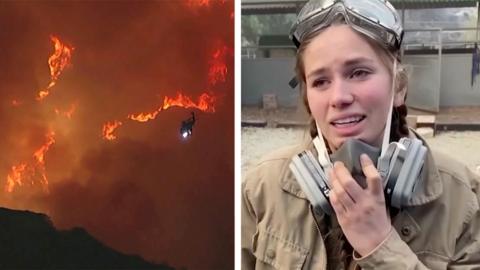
{"x": 254, "y": 26}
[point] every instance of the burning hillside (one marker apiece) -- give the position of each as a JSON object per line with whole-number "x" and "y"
{"x": 93, "y": 96}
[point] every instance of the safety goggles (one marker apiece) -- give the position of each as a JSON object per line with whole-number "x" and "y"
{"x": 374, "y": 18}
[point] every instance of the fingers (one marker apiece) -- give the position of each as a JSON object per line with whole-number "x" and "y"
{"x": 346, "y": 190}
{"x": 337, "y": 206}
{"x": 374, "y": 181}
{"x": 353, "y": 189}
{"x": 346, "y": 193}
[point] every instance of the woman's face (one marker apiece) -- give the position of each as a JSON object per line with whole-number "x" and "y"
{"x": 348, "y": 87}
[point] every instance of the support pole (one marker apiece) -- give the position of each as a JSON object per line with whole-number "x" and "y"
{"x": 478, "y": 22}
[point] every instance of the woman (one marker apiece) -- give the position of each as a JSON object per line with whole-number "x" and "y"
{"x": 348, "y": 71}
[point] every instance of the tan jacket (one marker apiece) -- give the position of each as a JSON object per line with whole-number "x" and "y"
{"x": 439, "y": 229}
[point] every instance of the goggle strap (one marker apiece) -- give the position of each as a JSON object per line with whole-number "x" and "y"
{"x": 386, "y": 133}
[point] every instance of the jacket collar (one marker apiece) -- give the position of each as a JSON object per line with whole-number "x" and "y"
{"x": 426, "y": 190}
{"x": 288, "y": 182}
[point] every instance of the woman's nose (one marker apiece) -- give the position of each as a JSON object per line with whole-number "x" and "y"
{"x": 341, "y": 94}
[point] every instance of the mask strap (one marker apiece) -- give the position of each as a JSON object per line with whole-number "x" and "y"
{"x": 386, "y": 133}
{"x": 323, "y": 156}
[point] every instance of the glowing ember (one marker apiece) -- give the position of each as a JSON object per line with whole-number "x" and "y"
{"x": 198, "y": 3}
{"x": 202, "y": 3}
{"x": 109, "y": 128}
{"x": 16, "y": 103}
{"x": 57, "y": 62}
{"x": 44, "y": 93}
{"x": 68, "y": 114}
{"x": 26, "y": 172}
{"x": 218, "y": 67}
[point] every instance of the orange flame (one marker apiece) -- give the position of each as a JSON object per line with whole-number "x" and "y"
{"x": 218, "y": 69}
{"x": 205, "y": 103}
{"x": 57, "y": 62}
{"x": 39, "y": 156}
{"x": 15, "y": 177}
{"x": 109, "y": 128}
{"x": 21, "y": 172}
{"x": 143, "y": 117}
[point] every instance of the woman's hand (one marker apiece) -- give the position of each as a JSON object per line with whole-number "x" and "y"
{"x": 360, "y": 212}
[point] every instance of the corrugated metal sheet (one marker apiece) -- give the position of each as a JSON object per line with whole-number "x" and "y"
{"x": 271, "y": 7}
{"x": 418, "y": 4}
{"x": 250, "y": 7}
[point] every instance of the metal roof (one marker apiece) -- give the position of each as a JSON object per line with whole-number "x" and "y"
{"x": 418, "y": 4}
{"x": 251, "y": 7}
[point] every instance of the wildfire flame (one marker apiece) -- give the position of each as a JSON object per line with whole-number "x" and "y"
{"x": 15, "y": 177}
{"x": 39, "y": 156}
{"x": 25, "y": 171}
{"x": 40, "y": 153}
{"x": 30, "y": 171}
{"x": 109, "y": 128}
{"x": 143, "y": 117}
{"x": 57, "y": 62}
{"x": 205, "y": 103}
{"x": 218, "y": 67}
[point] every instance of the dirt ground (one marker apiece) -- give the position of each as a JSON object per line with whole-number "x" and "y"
{"x": 256, "y": 142}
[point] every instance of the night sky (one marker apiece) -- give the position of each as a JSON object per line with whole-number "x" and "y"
{"x": 148, "y": 192}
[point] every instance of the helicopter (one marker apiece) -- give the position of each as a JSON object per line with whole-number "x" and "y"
{"x": 186, "y": 129}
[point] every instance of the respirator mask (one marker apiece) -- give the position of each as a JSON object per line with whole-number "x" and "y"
{"x": 399, "y": 166}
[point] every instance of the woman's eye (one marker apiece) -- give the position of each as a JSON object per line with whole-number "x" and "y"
{"x": 359, "y": 73}
{"x": 319, "y": 83}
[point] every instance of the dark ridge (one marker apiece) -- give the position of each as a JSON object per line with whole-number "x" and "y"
{"x": 30, "y": 241}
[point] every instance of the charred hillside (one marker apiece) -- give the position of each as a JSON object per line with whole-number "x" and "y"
{"x": 29, "y": 240}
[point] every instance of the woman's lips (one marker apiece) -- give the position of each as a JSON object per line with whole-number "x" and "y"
{"x": 348, "y": 126}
